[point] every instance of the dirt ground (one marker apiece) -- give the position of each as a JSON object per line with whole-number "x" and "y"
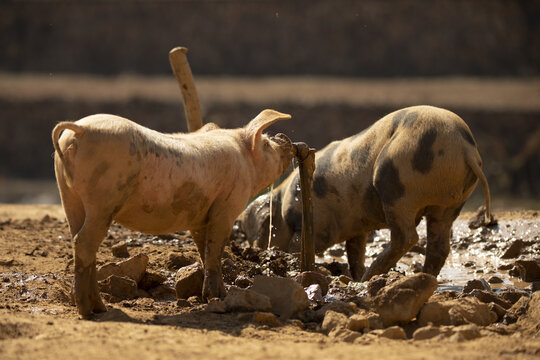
{"x": 38, "y": 320}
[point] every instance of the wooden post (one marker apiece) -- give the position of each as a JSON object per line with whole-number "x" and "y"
{"x": 306, "y": 163}
{"x": 182, "y": 72}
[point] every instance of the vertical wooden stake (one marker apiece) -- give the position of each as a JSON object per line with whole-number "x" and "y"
{"x": 182, "y": 73}
{"x": 306, "y": 163}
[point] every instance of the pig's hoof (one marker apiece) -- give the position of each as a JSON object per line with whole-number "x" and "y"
{"x": 213, "y": 288}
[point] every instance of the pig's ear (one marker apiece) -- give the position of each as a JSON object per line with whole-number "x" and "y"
{"x": 256, "y": 126}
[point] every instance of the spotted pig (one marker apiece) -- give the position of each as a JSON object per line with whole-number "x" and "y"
{"x": 415, "y": 162}
{"x": 109, "y": 168}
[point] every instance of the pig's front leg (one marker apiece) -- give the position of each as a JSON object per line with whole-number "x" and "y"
{"x": 356, "y": 252}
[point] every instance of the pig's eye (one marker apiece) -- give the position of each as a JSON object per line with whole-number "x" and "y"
{"x": 266, "y": 144}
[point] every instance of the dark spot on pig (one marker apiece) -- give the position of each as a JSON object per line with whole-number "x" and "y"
{"x": 147, "y": 208}
{"x": 98, "y": 173}
{"x": 466, "y": 134}
{"x": 293, "y": 218}
{"x": 371, "y": 204}
{"x": 410, "y": 119}
{"x": 441, "y": 152}
{"x": 323, "y": 162}
{"x": 388, "y": 184}
{"x": 423, "y": 156}
{"x": 360, "y": 154}
{"x": 321, "y": 188}
{"x": 469, "y": 180}
{"x": 132, "y": 149}
{"x": 396, "y": 120}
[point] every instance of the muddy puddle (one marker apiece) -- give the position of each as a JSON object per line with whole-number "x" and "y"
{"x": 475, "y": 254}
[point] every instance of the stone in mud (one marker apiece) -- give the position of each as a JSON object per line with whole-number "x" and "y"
{"x": 479, "y": 219}
{"x": 332, "y": 320}
{"x": 163, "y": 292}
{"x": 133, "y": 268}
{"x": 359, "y": 322}
{"x": 393, "y": 332}
{"x": 488, "y": 297}
{"x": 308, "y": 278}
{"x": 516, "y": 311}
{"x": 189, "y": 281}
{"x": 151, "y": 280}
{"x": 243, "y": 281}
{"x": 400, "y": 302}
{"x": 375, "y": 284}
{"x": 528, "y": 270}
{"x": 497, "y": 309}
{"x": 426, "y": 332}
{"x": 286, "y": 295}
{"x": 479, "y": 284}
{"x": 495, "y": 280}
{"x": 177, "y": 261}
{"x": 246, "y": 300}
{"x": 345, "y": 335}
{"x": 467, "y": 332}
{"x": 512, "y": 295}
{"x": 119, "y": 287}
{"x": 120, "y": 250}
{"x": 265, "y": 318}
{"x": 346, "y": 308}
{"x": 514, "y": 250}
{"x": 530, "y": 323}
{"x": 467, "y": 310}
{"x": 314, "y": 293}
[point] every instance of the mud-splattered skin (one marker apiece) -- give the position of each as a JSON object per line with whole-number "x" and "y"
{"x": 418, "y": 161}
{"x": 109, "y": 168}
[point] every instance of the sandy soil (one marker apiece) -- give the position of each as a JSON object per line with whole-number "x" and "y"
{"x": 38, "y": 320}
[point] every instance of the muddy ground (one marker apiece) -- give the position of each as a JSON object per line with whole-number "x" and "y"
{"x": 38, "y": 319}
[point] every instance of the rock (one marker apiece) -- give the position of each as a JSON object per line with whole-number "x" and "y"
{"x": 177, "y": 261}
{"x": 497, "y": 309}
{"x": 468, "y": 332}
{"x": 358, "y": 322}
{"x": 517, "y": 310}
{"x": 189, "y": 281}
{"x": 488, "y": 297}
{"x": 133, "y": 268}
{"x": 332, "y": 320}
{"x": 530, "y": 322}
{"x": 345, "y": 335}
{"x": 479, "y": 284}
{"x": 286, "y": 295}
{"x": 528, "y": 270}
{"x": 151, "y": 280}
{"x": 495, "y": 280}
{"x": 216, "y": 306}
{"x": 400, "y": 301}
{"x": 456, "y": 312}
{"x": 514, "y": 250}
{"x": 243, "y": 281}
{"x": 308, "y": 278}
{"x": 426, "y": 332}
{"x": 246, "y": 300}
{"x": 512, "y": 295}
{"x": 375, "y": 284}
{"x": 119, "y": 287}
{"x": 163, "y": 292}
{"x": 314, "y": 293}
{"x": 265, "y": 318}
{"x": 344, "y": 279}
{"x": 535, "y": 286}
{"x": 393, "y": 332}
{"x": 120, "y": 250}
{"x": 347, "y": 308}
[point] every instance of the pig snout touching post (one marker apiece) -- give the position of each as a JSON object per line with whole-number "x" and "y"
{"x": 416, "y": 162}
{"x": 160, "y": 183}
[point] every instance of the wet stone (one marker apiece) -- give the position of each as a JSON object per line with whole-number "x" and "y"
{"x": 479, "y": 284}
{"x": 514, "y": 250}
{"x": 495, "y": 280}
{"x": 189, "y": 281}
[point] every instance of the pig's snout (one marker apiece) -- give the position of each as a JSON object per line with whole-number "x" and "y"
{"x": 284, "y": 142}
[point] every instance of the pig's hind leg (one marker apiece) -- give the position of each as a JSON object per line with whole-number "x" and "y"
{"x": 86, "y": 243}
{"x": 439, "y": 225}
